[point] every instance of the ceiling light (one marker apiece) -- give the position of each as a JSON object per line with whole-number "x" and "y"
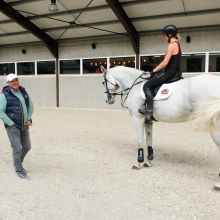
{"x": 53, "y": 6}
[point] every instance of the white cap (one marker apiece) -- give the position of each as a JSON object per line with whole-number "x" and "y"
{"x": 11, "y": 77}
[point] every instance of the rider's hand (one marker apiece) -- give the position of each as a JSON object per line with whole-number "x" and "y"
{"x": 151, "y": 74}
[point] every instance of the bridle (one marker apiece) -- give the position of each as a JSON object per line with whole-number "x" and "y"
{"x": 105, "y": 83}
{"x": 122, "y": 92}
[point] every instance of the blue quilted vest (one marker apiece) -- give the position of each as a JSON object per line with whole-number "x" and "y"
{"x": 14, "y": 108}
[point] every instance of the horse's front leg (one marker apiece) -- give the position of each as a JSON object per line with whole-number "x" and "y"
{"x": 139, "y": 128}
{"x": 148, "y": 136}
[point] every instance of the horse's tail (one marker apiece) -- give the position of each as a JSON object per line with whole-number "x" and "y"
{"x": 206, "y": 118}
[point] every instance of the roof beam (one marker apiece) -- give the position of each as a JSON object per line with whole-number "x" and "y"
{"x": 112, "y": 22}
{"x": 21, "y": 2}
{"x": 171, "y": 15}
{"x": 178, "y": 14}
{"x": 110, "y": 36}
{"x": 136, "y": 19}
{"x": 51, "y": 44}
{"x": 126, "y": 22}
{"x": 103, "y": 7}
{"x": 92, "y": 8}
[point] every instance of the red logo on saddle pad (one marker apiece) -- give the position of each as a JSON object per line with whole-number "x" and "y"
{"x": 164, "y": 91}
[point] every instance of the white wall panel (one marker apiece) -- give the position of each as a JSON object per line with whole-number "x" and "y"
{"x": 41, "y": 89}
{"x": 35, "y": 52}
{"x": 87, "y": 91}
{"x": 84, "y": 92}
{"x": 201, "y": 41}
{"x": 114, "y": 47}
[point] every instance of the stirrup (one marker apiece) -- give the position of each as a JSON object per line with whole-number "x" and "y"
{"x": 144, "y": 110}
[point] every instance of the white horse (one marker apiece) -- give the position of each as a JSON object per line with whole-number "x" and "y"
{"x": 195, "y": 98}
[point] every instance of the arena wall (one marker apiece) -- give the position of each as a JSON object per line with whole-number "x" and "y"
{"x": 86, "y": 91}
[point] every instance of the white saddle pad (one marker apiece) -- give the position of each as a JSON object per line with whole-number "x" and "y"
{"x": 164, "y": 92}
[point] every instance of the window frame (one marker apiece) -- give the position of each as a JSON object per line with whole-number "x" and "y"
{"x": 10, "y": 63}
{"x": 22, "y": 61}
{"x": 64, "y": 74}
{"x": 46, "y": 61}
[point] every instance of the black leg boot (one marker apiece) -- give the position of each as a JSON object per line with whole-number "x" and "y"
{"x": 149, "y": 101}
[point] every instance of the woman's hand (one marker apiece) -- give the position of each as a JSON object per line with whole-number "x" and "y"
{"x": 28, "y": 123}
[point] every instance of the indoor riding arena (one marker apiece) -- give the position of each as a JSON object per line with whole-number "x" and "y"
{"x": 82, "y": 148}
{"x": 80, "y": 168}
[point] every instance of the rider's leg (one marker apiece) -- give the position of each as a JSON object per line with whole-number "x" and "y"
{"x": 147, "y": 108}
{"x": 159, "y": 78}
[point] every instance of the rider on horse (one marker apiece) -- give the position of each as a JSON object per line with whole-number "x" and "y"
{"x": 167, "y": 69}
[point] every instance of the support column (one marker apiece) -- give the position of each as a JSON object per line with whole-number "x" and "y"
{"x": 137, "y": 57}
{"x": 57, "y": 83}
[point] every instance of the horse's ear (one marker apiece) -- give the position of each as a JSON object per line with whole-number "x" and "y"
{"x": 103, "y": 70}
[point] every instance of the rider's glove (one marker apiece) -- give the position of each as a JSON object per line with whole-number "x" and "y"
{"x": 151, "y": 74}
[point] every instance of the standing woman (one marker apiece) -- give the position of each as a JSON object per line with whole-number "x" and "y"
{"x": 16, "y": 109}
{"x": 167, "y": 69}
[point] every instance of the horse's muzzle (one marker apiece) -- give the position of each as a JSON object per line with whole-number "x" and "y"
{"x": 110, "y": 99}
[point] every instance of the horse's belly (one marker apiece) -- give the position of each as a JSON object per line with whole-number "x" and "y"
{"x": 172, "y": 110}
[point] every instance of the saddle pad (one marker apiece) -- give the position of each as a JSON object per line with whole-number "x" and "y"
{"x": 164, "y": 92}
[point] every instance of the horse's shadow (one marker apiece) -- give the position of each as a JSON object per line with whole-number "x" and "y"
{"x": 178, "y": 156}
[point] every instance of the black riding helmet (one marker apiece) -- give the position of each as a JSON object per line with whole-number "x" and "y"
{"x": 170, "y": 30}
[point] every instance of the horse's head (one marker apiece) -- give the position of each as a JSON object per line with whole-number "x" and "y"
{"x": 110, "y": 85}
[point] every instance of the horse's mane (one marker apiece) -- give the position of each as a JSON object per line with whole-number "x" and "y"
{"x": 130, "y": 70}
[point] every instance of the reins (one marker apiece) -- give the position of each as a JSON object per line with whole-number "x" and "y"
{"x": 129, "y": 89}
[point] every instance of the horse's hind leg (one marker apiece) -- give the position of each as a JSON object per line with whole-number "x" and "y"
{"x": 149, "y": 133}
{"x": 148, "y": 136}
{"x": 216, "y": 138}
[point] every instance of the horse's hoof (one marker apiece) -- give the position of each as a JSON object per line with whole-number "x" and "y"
{"x": 217, "y": 186}
{"x": 137, "y": 166}
{"x": 147, "y": 164}
{"x": 150, "y": 157}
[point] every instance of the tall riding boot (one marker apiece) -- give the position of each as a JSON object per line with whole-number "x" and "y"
{"x": 149, "y": 101}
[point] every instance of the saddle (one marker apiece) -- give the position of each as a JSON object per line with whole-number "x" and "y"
{"x": 162, "y": 91}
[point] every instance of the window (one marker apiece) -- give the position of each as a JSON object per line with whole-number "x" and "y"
{"x": 6, "y": 68}
{"x": 148, "y": 63}
{"x": 45, "y": 67}
{"x": 193, "y": 63}
{"x": 26, "y": 68}
{"x": 70, "y": 67}
{"x": 214, "y": 62}
{"x": 92, "y": 65}
{"x": 122, "y": 61}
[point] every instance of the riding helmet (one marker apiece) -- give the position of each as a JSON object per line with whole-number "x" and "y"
{"x": 170, "y": 29}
